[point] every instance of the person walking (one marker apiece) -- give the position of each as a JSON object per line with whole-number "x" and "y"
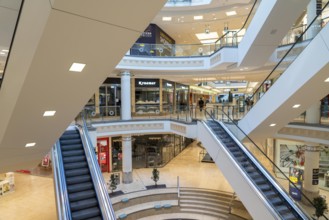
{"x": 201, "y": 104}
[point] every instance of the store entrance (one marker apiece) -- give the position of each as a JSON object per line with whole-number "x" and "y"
{"x": 110, "y": 100}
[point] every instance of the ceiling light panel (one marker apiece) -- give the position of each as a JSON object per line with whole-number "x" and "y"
{"x": 230, "y": 13}
{"x": 296, "y": 106}
{"x": 77, "y": 67}
{"x": 166, "y": 18}
{"x": 327, "y": 80}
{"x": 49, "y": 113}
{"x": 206, "y": 36}
{"x": 272, "y": 125}
{"x": 30, "y": 144}
{"x": 198, "y": 17}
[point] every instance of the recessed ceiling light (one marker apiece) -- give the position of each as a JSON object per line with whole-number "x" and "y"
{"x": 4, "y": 50}
{"x": 205, "y": 36}
{"x": 30, "y": 144}
{"x": 198, "y": 17}
{"x": 166, "y": 18}
{"x": 296, "y": 106}
{"x": 2, "y": 53}
{"x": 272, "y": 125}
{"x": 327, "y": 80}
{"x": 49, "y": 113}
{"x": 230, "y": 13}
{"x": 77, "y": 67}
{"x": 209, "y": 41}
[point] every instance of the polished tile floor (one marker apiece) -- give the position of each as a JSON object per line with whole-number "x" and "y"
{"x": 34, "y": 199}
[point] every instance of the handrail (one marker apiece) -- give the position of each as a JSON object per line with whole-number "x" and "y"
{"x": 245, "y": 22}
{"x": 62, "y": 201}
{"x": 12, "y": 40}
{"x": 288, "y": 51}
{"x": 264, "y": 171}
{"x": 97, "y": 177}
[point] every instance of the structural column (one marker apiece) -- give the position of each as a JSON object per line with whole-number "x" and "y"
{"x": 311, "y": 171}
{"x": 125, "y": 96}
{"x": 311, "y": 14}
{"x": 127, "y": 175}
{"x": 313, "y": 114}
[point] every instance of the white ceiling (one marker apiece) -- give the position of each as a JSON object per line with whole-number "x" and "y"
{"x": 183, "y": 27}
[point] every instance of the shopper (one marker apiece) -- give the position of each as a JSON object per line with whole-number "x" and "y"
{"x": 201, "y": 104}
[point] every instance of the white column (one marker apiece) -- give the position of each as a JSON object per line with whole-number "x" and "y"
{"x": 313, "y": 114}
{"x": 312, "y": 157}
{"x": 127, "y": 176}
{"x": 311, "y": 14}
{"x": 125, "y": 96}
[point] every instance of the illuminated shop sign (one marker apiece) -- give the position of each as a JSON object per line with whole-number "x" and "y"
{"x": 147, "y": 83}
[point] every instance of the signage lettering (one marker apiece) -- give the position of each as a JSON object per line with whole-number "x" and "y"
{"x": 145, "y": 83}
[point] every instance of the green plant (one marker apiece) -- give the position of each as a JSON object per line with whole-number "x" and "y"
{"x": 155, "y": 175}
{"x": 112, "y": 183}
{"x": 320, "y": 206}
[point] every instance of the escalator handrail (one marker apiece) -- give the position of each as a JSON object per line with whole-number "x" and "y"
{"x": 268, "y": 205}
{"x": 62, "y": 200}
{"x": 288, "y": 51}
{"x": 99, "y": 183}
{"x": 269, "y": 159}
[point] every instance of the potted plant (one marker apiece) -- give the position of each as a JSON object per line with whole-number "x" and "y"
{"x": 112, "y": 183}
{"x": 320, "y": 206}
{"x": 155, "y": 176}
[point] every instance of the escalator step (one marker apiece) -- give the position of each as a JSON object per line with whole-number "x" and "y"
{"x": 269, "y": 194}
{"x": 238, "y": 154}
{"x": 86, "y": 213}
{"x": 70, "y": 153}
{"x": 76, "y": 172}
{"x": 87, "y": 194}
{"x": 69, "y": 166}
{"x": 74, "y": 159}
{"x": 250, "y": 169}
{"x": 255, "y": 176}
{"x": 265, "y": 187}
{"x": 234, "y": 149}
{"x": 241, "y": 158}
{"x": 79, "y": 187}
{"x": 83, "y": 204}
{"x": 75, "y": 131}
{"x": 70, "y": 136}
{"x": 78, "y": 179}
{"x": 71, "y": 147}
{"x": 95, "y": 218}
{"x": 261, "y": 181}
{"x": 289, "y": 216}
{"x": 276, "y": 201}
{"x": 71, "y": 141}
{"x": 282, "y": 209}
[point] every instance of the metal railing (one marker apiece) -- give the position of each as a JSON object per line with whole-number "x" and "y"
{"x": 62, "y": 200}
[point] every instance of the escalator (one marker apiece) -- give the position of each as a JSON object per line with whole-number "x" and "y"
{"x": 79, "y": 194}
{"x": 256, "y": 188}
{"x": 278, "y": 202}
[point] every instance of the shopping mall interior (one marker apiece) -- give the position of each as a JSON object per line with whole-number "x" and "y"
{"x": 167, "y": 109}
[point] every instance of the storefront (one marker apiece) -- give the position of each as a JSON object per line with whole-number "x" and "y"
{"x": 167, "y": 96}
{"x": 147, "y": 96}
{"x": 181, "y": 97}
{"x": 109, "y": 102}
{"x": 148, "y": 150}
